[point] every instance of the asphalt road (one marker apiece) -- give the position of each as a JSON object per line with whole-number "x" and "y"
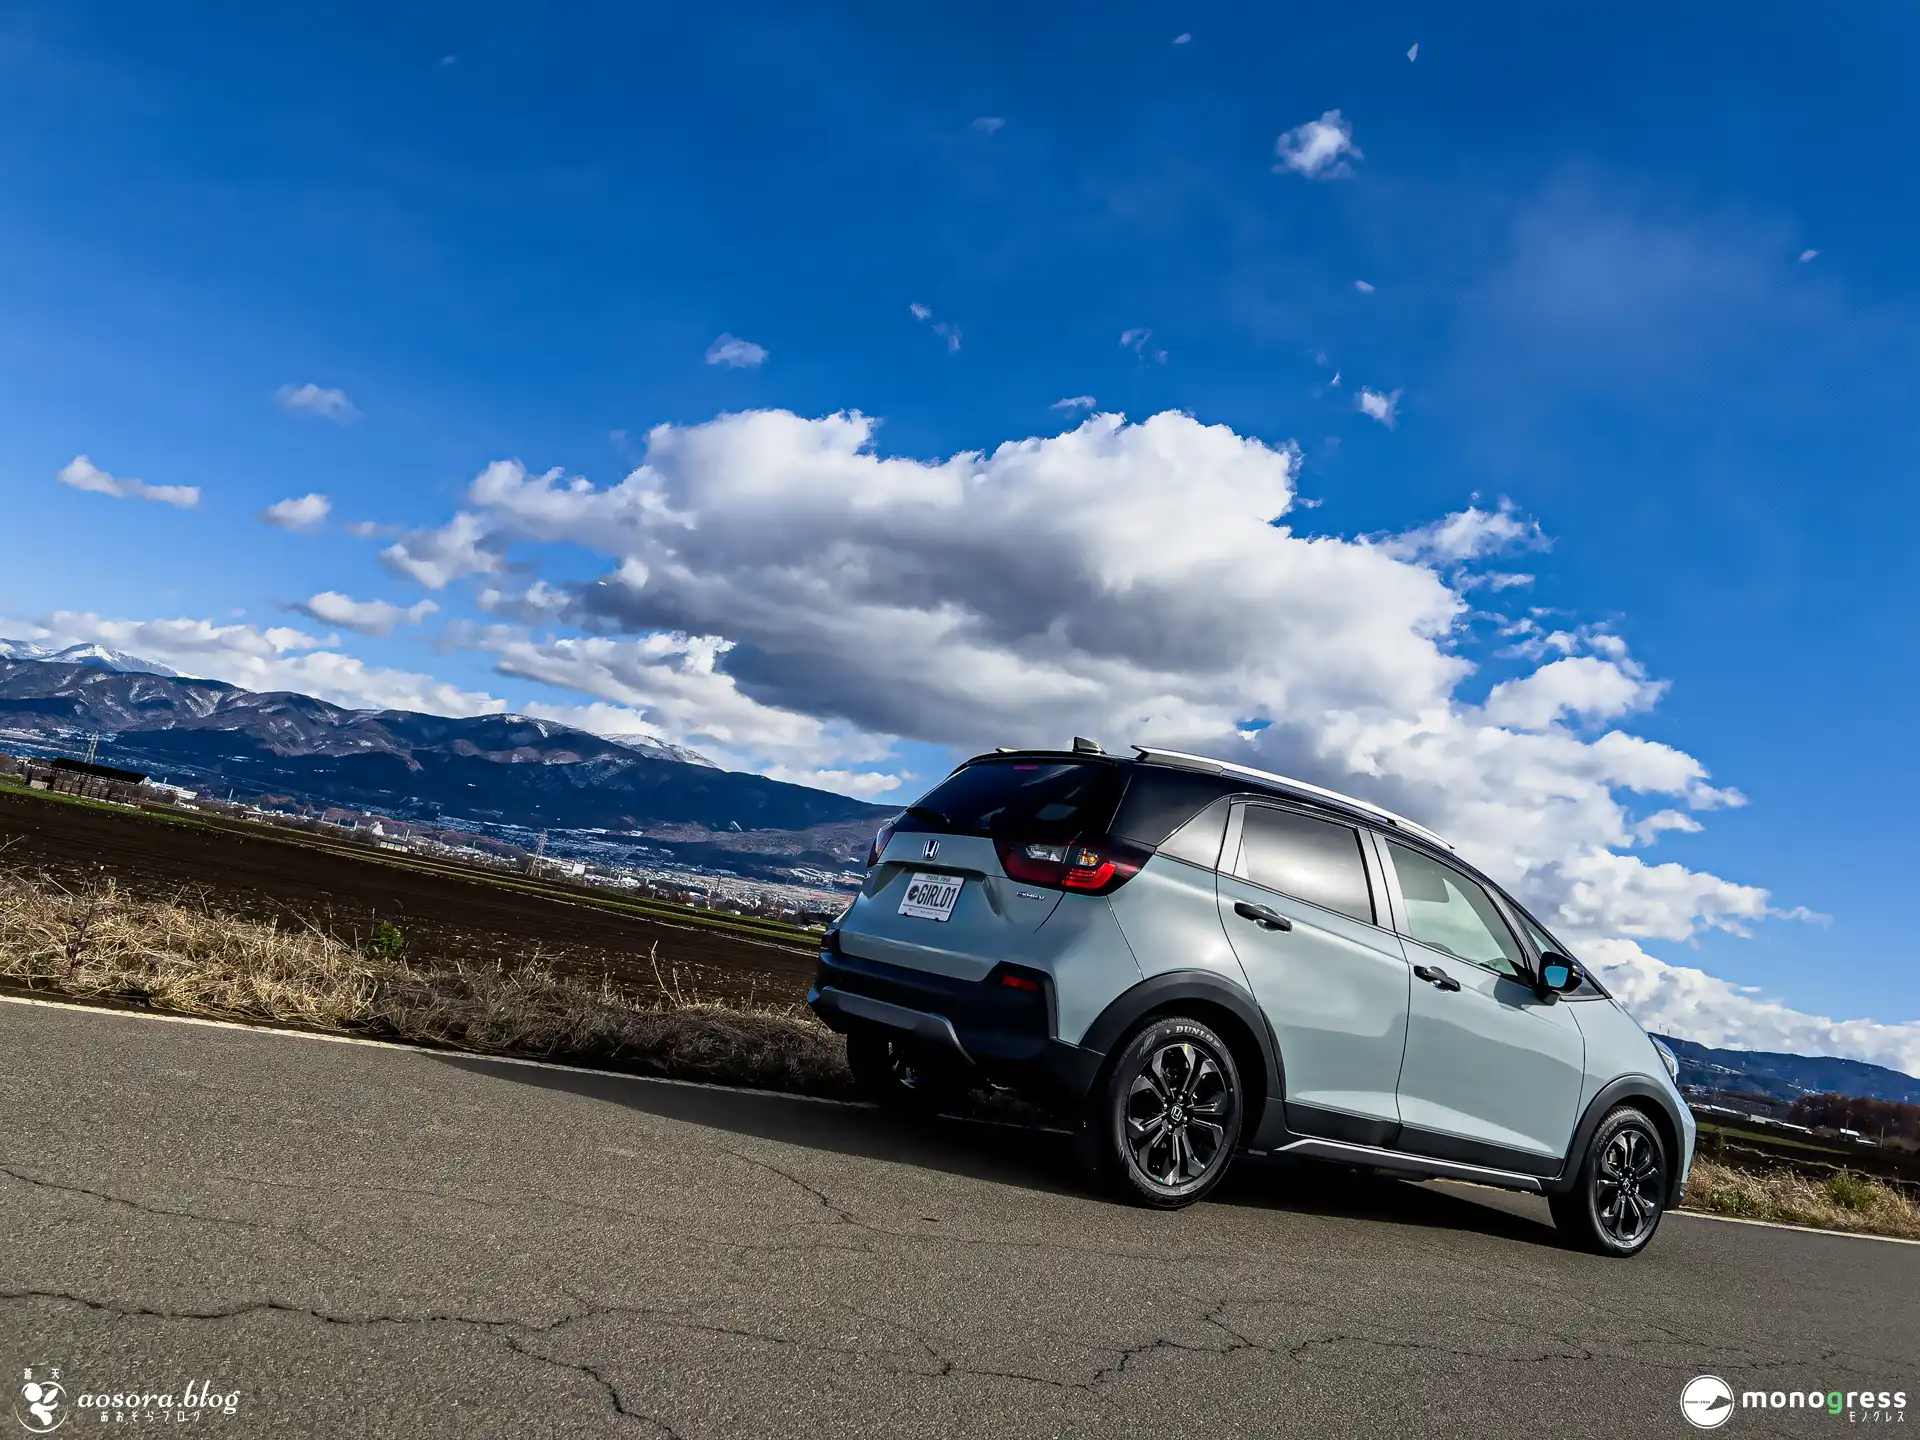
{"x": 368, "y": 1241}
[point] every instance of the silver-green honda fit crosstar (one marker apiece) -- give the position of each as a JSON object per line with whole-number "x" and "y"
{"x": 1192, "y": 959}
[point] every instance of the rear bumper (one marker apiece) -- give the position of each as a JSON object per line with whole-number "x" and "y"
{"x": 982, "y": 1028}
{"x": 845, "y": 1010}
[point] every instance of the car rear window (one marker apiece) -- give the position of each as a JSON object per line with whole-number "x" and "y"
{"x": 1045, "y": 800}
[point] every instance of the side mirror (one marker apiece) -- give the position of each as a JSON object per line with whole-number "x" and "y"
{"x": 1558, "y": 974}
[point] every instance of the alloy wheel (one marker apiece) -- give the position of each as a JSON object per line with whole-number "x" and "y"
{"x": 1627, "y": 1186}
{"x": 1176, "y": 1116}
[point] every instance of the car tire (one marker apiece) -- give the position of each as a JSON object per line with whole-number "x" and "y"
{"x": 1620, "y": 1191}
{"x": 888, "y": 1074}
{"x": 1163, "y": 1121}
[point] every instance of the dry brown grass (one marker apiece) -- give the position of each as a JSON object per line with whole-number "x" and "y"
{"x": 1843, "y": 1201}
{"x": 187, "y": 958}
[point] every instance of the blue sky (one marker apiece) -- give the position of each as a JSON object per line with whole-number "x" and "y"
{"x": 508, "y": 234}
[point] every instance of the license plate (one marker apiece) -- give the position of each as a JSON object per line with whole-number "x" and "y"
{"x": 931, "y": 897}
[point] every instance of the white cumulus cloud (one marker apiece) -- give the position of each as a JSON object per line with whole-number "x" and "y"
{"x": 369, "y": 617}
{"x": 1318, "y": 148}
{"x": 1581, "y": 687}
{"x": 1379, "y": 405}
{"x": 1683, "y": 1000}
{"x": 735, "y": 353}
{"x": 436, "y": 558}
{"x": 82, "y": 474}
{"x": 312, "y": 399}
{"x": 860, "y": 784}
{"x": 298, "y": 512}
{"x": 276, "y": 658}
{"x": 1473, "y": 534}
{"x": 1074, "y": 402}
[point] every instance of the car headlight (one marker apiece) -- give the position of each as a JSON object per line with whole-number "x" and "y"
{"x": 1667, "y": 1059}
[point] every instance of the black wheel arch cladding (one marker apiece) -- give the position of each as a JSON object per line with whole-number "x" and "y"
{"x": 1641, "y": 1094}
{"x": 1215, "y": 1002}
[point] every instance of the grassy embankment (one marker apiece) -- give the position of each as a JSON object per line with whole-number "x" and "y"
{"x": 1843, "y": 1201}
{"x": 100, "y": 944}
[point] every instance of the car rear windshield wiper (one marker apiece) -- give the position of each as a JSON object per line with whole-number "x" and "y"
{"x": 927, "y": 812}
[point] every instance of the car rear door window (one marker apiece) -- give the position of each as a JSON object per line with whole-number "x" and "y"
{"x": 1318, "y": 861}
{"x": 1453, "y": 914}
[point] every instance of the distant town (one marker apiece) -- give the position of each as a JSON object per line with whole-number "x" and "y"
{"x": 803, "y": 895}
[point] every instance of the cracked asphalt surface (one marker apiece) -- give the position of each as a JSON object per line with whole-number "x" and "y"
{"x": 370, "y": 1241}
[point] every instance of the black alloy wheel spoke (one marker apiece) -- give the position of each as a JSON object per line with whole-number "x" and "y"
{"x": 1627, "y": 1186}
{"x": 1175, "y": 1115}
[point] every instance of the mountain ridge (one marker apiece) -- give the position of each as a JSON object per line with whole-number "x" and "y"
{"x": 1786, "y": 1076}
{"x": 507, "y": 770}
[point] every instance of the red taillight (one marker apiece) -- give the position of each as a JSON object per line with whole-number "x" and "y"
{"x": 1034, "y": 863}
{"x": 880, "y": 839}
{"x": 1091, "y": 869}
{"x": 1020, "y": 982}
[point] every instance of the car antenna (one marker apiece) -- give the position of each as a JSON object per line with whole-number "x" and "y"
{"x": 1084, "y": 746}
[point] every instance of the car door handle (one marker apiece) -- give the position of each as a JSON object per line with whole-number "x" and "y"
{"x": 1263, "y": 916}
{"x": 1434, "y": 975}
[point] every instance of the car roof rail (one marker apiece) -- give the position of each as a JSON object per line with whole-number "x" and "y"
{"x": 1189, "y": 761}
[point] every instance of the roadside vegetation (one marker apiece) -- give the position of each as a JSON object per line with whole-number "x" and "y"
{"x": 98, "y": 943}
{"x": 185, "y": 957}
{"x": 1841, "y": 1201}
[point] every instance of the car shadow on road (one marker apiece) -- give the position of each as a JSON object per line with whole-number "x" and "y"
{"x": 1027, "y": 1156}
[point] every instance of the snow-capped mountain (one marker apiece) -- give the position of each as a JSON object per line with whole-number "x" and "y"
{"x": 98, "y": 657}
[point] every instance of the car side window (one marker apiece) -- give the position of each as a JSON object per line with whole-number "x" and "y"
{"x": 1542, "y": 941}
{"x": 1454, "y": 914}
{"x": 1198, "y": 841}
{"x": 1313, "y": 860}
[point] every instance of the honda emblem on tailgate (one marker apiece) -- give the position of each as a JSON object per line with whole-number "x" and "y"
{"x": 933, "y": 849}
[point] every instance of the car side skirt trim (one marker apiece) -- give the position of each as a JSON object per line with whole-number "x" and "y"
{"x": 1318, "y": 1123}
{"x": 1465, "y": 1151}
{"x": 1341, "y": 1152}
